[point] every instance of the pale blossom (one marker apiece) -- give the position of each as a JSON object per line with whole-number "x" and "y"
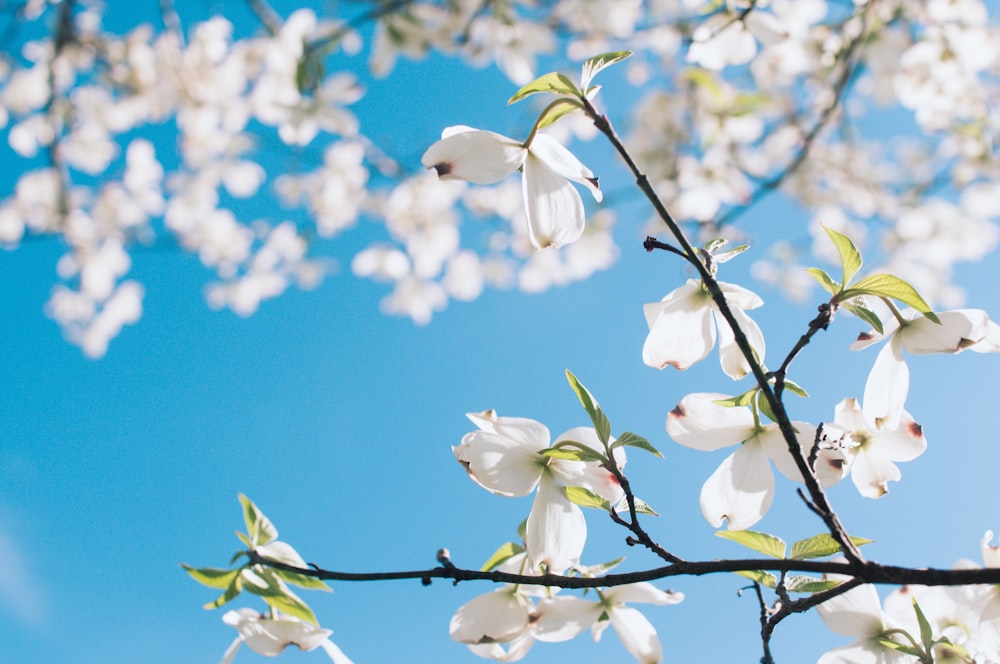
{"x": 873, "y": 450}
{"x": 270, "y": 636}
{"x": 553, "y": 206}
{"x": 740, "y": 491}
{"x": 562, "y": 617}
{"x": 504, "y": 457}
{"x": 858, "y": 613}
{"x": 682, "y": 328}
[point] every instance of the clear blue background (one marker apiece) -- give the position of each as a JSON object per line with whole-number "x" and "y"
{"x": 338, "y": 422}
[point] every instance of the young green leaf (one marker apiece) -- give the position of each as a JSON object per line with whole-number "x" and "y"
{"x": 765, "y": 407}
{"x": 899, "y": 647}
{"x": 582, "y": 454}
{"x": 629, "y": 439}
{"x": 556, "y": 110}
{"x": 926, "y": 632}
{"x": 712, "y": 245}
{"x": 505, "y": 552}
{"x": 824, "y": 279}
{"x": 887, "y": 285}
{"x": 808, "y": 584}
{"x": 820, "y": 546}
{"x": 744, "y": 399}
{"x": 259, "y": 527}
{"x": 795, "y": 389}
{"x": 292, "y": 605}
{"x": 769, "y": 545}
{"x": 303, "y": 581}
{"x": 862, "y": 311}
{"x": 599, "y": 62}
{"x": 600, "y": 569}
{"x": 761, "y": 577}
{"x": 850, "y": 257}
{"x": 642, "y": 507}
{"x": 727, "y": 256}
{"x": 212, "y": 577}
{"x": 553, "y": 82}
{"x": 597, "y": 416}
{"x": 232, "y": 590}
{"x": 586, "y": 498}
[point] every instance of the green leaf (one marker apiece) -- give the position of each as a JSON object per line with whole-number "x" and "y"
{"x": 259, "y": 527}
{"x": 240, "y": 554}
{"x": 850, "y": 257}
{"x": 232, "y": 590}
{"x": 246, "y": 543}
{"x": 769, "y": 545}
{"x": 712, "y": 245}
{"x": 586, "y": 498}
{"x": 731, "y": 254}
{"x": 292, "y": 605}
{"x": 887, "y": 285}
{"x": 926, "y": 632}
{"x": 761, "y": 577}
{"x": 820, "y": 546}
{"x": 824, "y": 279}
{"x": 557, "y": 109}
{"x": 828, "y": 283}
{"x": 600, "y": 568}
{"x": 899, "y": 647}
{"x": 505, "y": 552}
{"x": 584, "y": 454}
{"x": 599, "y": 62}
{"x": 642, "y": 507}
{"x": 212, "y": 577}
{"x": 597, "y": 416}
{"x": 744, "y": 399}
{"x": 808, "y": 584}
{"x": 553, "y": 82}
{"x": 765, "y": 407}
{"x": 303, "y": 581}
{"x": 629, "y": 439}
{"x": 522, "y": 530}
{"x": 795, "y": 389}
{"x": 862, "y": 311}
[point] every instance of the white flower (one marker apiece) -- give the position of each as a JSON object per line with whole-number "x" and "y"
{"x": 563, "y": 617}
{"x": 889, "y": 380}
{"x": 504, "y": 458}
{"x": 553, "y": 207}
{"x": 682, "y": 328}
{"x": 873, "y": 450}
{"x": 857, "y": 613}
{"x": 270, "y": 636}
{"x": 741, "y": 489}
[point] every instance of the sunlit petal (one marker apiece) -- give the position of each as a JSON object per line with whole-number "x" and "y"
{"x": 553, "y": 206}
{"x": 740, "y": 490}
{"x": 499, "y": 464}
{"x": 642, "y": 592}
{"x": 561, "y": 618}
{"x": 562, "y": 161}
{"x": 857, "y": 613}
{"x": 500, "y": 615}
{"x": 636, "y": 634}
{"x": 886, "y": 388}
{"x": 698, "y": 422}
{"x": 473, "y": 155}
{"x": 682, "y": 334}
{"x": 556, "y": 530}
{"x": 958, "y": 330}
{"x": 733, "y": 363}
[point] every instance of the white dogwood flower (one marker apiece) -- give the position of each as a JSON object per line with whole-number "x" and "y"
{"x": 682, "y": 328}
{"x": 552, "y": 205}
{"x": 270, "y": 636}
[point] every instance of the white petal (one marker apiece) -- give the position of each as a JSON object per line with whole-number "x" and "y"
{"x": 872, "y": 470}
{"x": 473, "y": 155}
{"x": 886, "y": 388}
{"x": 682, "y": 334}
{"x": 562, "y": 161}
{"x": 774, "y": 444}
{"x": 499, "y": 464}
{"x": 556, "y": 530}
{"x": 733, "y": 363}
{"x": 642, "y": 592}
{"x": 227, "y": 657}
{"x": 991, "y": 552}
{"x": 552, "y": 205}
{"x": 870, "y": 337}
{"x": 958, "y": 330}
{"x": 561, "y": 618}
{"x": 516, "y": 649}
{"x": 636, "y": 634}
{"x": 335, "y": 653}
{"x": 698, "y": 422}
{"x": 500, "y": 615}
{"x": 857, "y": 613}
{"x": 990, "y": 343}
{"x": 905, "y": 443}
{"x": 740, "y": 297}
{"x": 740, "y": 490}
{"x": 859, "y": 652}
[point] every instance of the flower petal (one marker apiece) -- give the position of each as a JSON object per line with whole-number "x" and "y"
{"x": 740, "y": 490}
{"x": 553, "y": 207}
{"x": 857, "y": 613}
{"x": 636, "y": 634}
{"x": 733, "y": 363}
{"x": 500, "y": 615}
{"x": 335, "y": 653}
{"x": 562, "y": 618}
{"x": 957, "y": 331}
{"x": 698, "y": 422}
{"x": 556, "y": 530}
{"x": 642, "y": 592}
{"x": 499, "y": 464}
{"x": 740, "y": 297}
{"x": 554, "y": 155}
{"x": 886, "y": 388}
{"x": 474, "y": 155}
{"x": 682, "y": 333}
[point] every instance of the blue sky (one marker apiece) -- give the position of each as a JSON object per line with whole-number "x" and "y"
{"x": 338, "y": 422}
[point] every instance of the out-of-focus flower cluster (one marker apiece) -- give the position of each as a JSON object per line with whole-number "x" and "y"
{"x": 173, "y": 136}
